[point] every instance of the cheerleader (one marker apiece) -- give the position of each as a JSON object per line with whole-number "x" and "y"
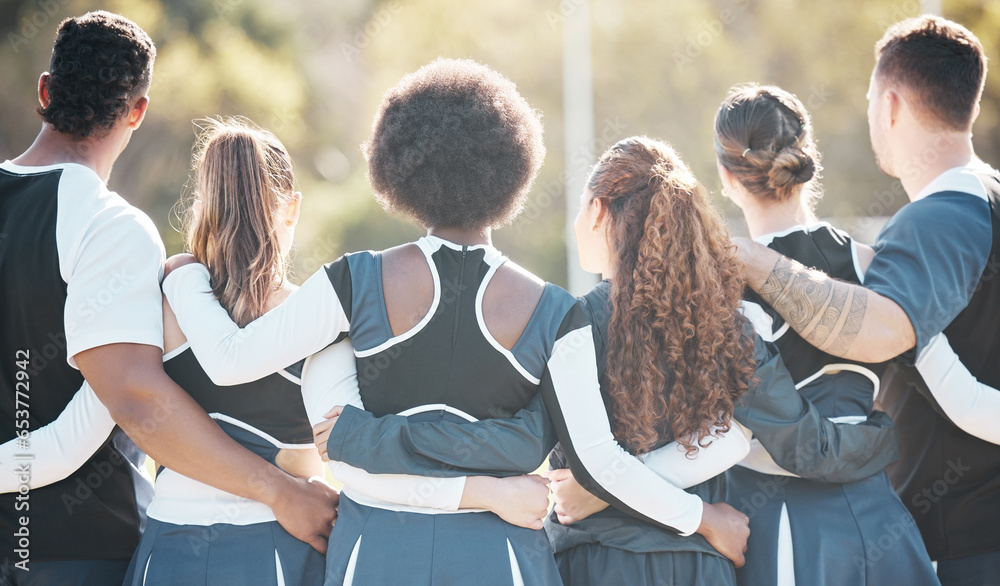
{"x": 807, "y": 532}
{"x": 446, "y": 330}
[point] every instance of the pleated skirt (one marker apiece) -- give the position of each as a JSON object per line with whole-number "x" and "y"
{"x": 261, "y": 554}
{"x": 370, "y": 546}
{"x": 597, "y": 565}
{"x": 856, "y": 534}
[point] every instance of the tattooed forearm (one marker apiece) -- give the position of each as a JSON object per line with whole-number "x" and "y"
{"x": 852, "y": 325}
{"x": 815, "y": 305}
{"x": 831, "y": 315}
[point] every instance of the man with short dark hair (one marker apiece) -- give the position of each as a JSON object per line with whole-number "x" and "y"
{"x": 80, "y": 297}
{"x": 930, "y": 293}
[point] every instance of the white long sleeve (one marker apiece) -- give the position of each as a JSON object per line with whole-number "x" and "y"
{"x": 971, "y": 405}
{"x": 62, "y": 446}
{"x": 309, "y": 320}
{"x": 671, "y": 463}
{"x": 595, "y": 457}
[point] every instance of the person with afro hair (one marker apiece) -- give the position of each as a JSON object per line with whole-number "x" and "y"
{"x": 447, "y": 331}
{"x": 80, "y": 299}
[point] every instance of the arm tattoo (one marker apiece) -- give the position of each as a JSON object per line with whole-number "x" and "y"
{"x": 851, "y": 326}
{"x": 800, "y": 295}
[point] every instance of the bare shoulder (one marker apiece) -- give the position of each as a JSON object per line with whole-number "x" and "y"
{"x": 517, "y": 280}
{"x": 173, "y": 337}
{"x": 509, "y": 302}
{"x": 177, "y": 261}
{"x": 405, "y": 259}
{"x": 408, "y": 286}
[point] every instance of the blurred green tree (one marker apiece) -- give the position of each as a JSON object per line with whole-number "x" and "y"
{"x": 314, "y": 72}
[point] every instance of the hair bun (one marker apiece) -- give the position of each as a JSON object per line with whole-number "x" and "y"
{"x": 791, "y": 166}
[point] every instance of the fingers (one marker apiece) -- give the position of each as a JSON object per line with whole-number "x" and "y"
{"x": 323, "y": 427}
{"x": 335, "y": 412}
{"x": 321, "y": 433}
{"x": 539, "y": 479}
{"x": 740, "y": 560}
{"x": 559, "y": 474}
{"x": 319, "y": 544}
{"x": 565, "y": 516}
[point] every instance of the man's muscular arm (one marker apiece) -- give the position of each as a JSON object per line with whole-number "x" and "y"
{"x": 166, "y": 423}
{"x": 840, "y": 318}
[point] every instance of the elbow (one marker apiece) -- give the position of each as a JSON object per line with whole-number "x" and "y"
{"x": 886, "y": 347}
{"x": 222, "y": 377}
{"x": 135, "y": 407}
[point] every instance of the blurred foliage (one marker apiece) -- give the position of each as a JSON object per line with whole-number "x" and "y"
{"x": 313, "y": 72}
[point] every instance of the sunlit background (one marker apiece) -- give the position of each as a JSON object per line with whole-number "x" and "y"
{"x": 313, "y": 73}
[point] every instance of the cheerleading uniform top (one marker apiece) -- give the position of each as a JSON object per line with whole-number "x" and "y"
{"x": 843, "y": 390}
{"x": 446, "y": 368}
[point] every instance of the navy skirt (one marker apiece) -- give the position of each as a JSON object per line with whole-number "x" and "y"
{"x": 210, "y": 555}
{"x": 597, "y": 565}
{"x": 856, "y": 534}
{"x": 370, "y": 546}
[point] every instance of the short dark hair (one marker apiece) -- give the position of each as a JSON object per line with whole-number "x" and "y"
{"x": 101, "y": 62}
{"x": 454, "y": 144}
{"x": 939, "y": 63}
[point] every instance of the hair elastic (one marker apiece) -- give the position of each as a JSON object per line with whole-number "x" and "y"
{"x": 745, "y": 151}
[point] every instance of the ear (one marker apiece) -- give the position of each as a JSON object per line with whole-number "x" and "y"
{"x": 600, "y": 214}
{"x": 975, "y": 114}
{"x": 895, "y": 102}
{"x": 292, "y": 209}
{"x": 728, "y": 180}
{"x": 43, "y": 90}
{"x": 138, "y": 112}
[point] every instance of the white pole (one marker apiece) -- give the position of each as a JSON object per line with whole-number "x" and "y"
{"x": 930, "y": 7}
{"x": 578, "y": 125}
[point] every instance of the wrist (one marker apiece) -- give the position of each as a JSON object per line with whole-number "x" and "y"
{"x": 270, "y": 485}
{"x": 760, "y": 262}
{"x": 709, "y": 521}
{"x": 479, "y": 493}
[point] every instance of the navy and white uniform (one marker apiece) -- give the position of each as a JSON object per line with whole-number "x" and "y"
{"x": 197, "y": 534}
{"x": 610, "y": 546}
{"x": 79, "y": 268}
{"x": 421, "y": 381}
{"x": 808, "y": 532}
{"x": 620, "y": 544}
{"x": 938, "y": 258}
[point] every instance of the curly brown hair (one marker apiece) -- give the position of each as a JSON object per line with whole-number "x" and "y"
{"x": 101, "y": 63}
{"x": 677, "y": 349}
{"x": 454, "y": 145}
